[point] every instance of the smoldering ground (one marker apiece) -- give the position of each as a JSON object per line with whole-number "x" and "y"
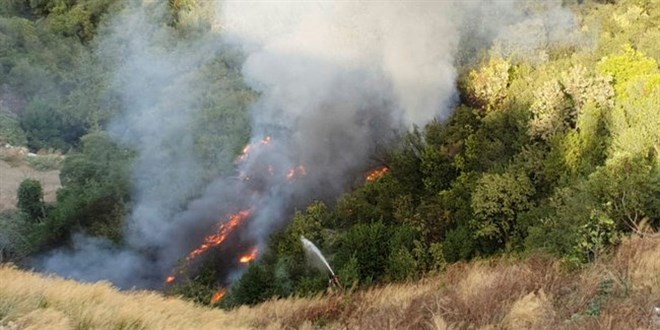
{"x": 336, "y": 80}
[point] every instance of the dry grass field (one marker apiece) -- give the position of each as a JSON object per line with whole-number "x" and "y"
{"x": 621, "y": 291}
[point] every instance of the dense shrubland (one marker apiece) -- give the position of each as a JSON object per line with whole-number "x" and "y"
{"x": 558, "y": 155}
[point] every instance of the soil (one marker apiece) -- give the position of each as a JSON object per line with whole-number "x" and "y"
{"x": 12, "y": 176}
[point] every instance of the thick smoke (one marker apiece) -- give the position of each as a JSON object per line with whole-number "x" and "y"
{"x": 336, "y": 81}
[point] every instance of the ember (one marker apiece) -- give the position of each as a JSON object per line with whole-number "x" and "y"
{"x": 377, "y": 174}
{"x": 249, "y": 257}
{"x": 218, "y": 295}
{"x": 248, "y": 148}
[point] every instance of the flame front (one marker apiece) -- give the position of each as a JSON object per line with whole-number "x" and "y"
{"x": 377, "y": 173}
{"x": 248, "y": 148}
{"x": 218, "y": 295}
{"x": 223, "y": 231}
{"x": 170, "y": 279}
{"x": 249, "y": 257}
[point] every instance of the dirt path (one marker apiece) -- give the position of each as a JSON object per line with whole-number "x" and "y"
{"x": 11, "y": 177}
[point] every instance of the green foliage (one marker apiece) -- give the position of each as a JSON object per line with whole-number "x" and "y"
{"x": 31, "y": 199}
{"x": 349, "y": 273}
{"x": 10, "y": 131}
{"x": 368, "y": 244}
{"x": 47, "y": 128}
{"x": 459, "y": 244}
{"x": 14, "y": 233}
{"x": 96, "y": 189}
{"x": 255, "y": 286}
{"x": 497, "y": 200}
{"x": 626, "y": 66}
{"x": 45, "y": 162}
{"x": 597, "y": 234}
{"x": 629, "y": 187}
{"x": 559, "y": 155}
{"x": 199, "y": 289}
{"x": 401, "y": 265}
{"x": 487, "y": 87}
{"x": 551, "y": 111}
{"x": 605, "y": 290}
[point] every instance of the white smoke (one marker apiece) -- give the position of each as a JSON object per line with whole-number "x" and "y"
{"x": 336, "y": 80}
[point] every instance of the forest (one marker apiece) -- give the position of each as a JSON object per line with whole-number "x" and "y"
{"x": 556, "y": 152}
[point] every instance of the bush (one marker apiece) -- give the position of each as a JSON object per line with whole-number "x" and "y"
{"x": 11, "y": 132}
{"x": 255, "y": 286}
{"x": 30, "y": 199}
{"x": 45, "y": 162}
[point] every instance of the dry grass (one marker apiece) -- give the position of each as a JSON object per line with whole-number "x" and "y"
{"x": 11, "y": 177}
{"x": 30, "y": 300}
{"x": 618, "y": 292}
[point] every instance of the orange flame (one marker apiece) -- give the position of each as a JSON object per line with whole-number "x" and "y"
{"x": 223, "y": 231}
{"x": 377, "y": 174}
{"x": 249, "y": 257}
{"x": 218, "y": 295}
{"x": 248, "y": 147}
{"x": 295, "y": 172}
{"x": 170, "y": 279}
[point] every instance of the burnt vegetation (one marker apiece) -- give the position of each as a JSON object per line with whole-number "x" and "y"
{"x": 557, "y": 156}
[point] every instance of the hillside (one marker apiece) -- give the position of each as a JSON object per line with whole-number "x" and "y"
{"x": 458, "y": 163}
{"x": 621, "y": 291}
{"x": 15, "y": 167}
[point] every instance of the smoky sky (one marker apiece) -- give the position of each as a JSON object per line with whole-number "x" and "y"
{"x": 336, "y": 80}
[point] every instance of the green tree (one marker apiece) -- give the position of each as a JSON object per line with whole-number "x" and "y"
{"x": 401, "y": 265}
{"x": 369, "y": 245}
{"x": 10, "y": 130}
{"x": 496, "y": 201}
{"x": 255, "y": 286}
{"x": 31, "y": 199}
{"x": 629, "y": 187}
{"x": 487, "y": 87}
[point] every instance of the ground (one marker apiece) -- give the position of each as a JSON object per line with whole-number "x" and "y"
{"x": 16, "y": 165}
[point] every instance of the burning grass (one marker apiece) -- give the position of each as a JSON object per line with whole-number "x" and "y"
{"x": 618, "y": 292}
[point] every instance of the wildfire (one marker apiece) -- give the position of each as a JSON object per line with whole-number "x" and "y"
{"x": 377, "y": 174}
{"x": 249, "y": 257}
{"x": 246, "y": 150}
{"x": 170, "y": 279}
{"x": 223, "y": 231}
{"x": 218, "y": 295}
{"x": 296, "y": 172}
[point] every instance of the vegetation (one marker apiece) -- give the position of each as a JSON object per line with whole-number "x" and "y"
{"x": 559, "y": 156}
{"x": 619, "y": 291}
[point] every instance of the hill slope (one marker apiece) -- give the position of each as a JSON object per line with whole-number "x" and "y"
{"x": 619, "y": 292}
{"x": 15, "y": 167}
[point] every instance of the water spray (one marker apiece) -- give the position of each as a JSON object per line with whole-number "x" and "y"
{"x": 315, "y": 253}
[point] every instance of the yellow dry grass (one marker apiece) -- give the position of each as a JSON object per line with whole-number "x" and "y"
{"x": 29, "y": 300}
{"x": 618, "y": 292}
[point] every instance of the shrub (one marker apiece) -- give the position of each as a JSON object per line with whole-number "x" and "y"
{"x": 11, "y": 132}
{"x": 30, "y": 199}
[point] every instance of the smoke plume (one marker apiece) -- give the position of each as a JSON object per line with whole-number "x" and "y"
{"x": 336, "y": 80}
